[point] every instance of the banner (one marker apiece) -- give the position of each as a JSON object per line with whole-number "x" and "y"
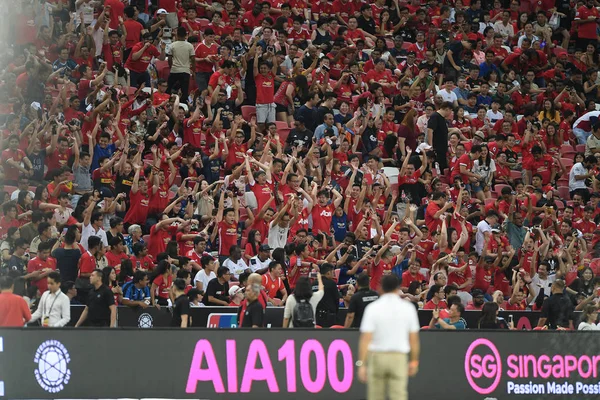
{"x": 266, "y": 364}
{"x": 226, "y": 317}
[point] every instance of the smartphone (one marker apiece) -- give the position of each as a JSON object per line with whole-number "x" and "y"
{"x": 298, "y": 262}
{"x": 511, "y": 319}
{"x": 64, "y": 231}
{"x": 312, "y": 275}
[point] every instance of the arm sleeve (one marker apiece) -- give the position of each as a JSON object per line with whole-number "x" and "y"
{"x": 66, "y": 312}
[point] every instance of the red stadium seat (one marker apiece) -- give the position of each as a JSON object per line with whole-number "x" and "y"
{"x": 283, "y": 133}
{"x": 580, "y": 148}
{"x": 248, "y": 112}
{"x": 516, "y": 174}
{"x": 498, "y": 188}
{"x": 563, "y": 192}
{"x": 203, "y": 23}
{"x": 281, "y": 125}
{"x": 337, "y": 327}
{"x": 566, "y": 148}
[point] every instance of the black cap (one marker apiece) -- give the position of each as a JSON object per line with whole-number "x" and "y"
{"x": 264, "y": 247}
{"x": 477, "y": 293}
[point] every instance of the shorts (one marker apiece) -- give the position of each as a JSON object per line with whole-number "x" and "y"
{"x": 265, "y": 113}
{"x": 475, "y": 187}
{"x": 280, "y": 108}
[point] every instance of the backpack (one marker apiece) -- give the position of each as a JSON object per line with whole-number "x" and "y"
{"x": 303, "y": 315}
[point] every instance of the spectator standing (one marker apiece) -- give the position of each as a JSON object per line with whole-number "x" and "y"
{"x": 254, "y": 313}
{"x": 181, "y": 309}
{"x": 437, "y": 134}
{"x": 100, "y": 309}
{"x": 181, "y": 60}
{"x": 14, "y": 311}
{"x": 297, "y": 311}
{"x": 557, "y": 310}
{"x": 389, "y": 348}
{"x": 54, "y": 308}
{"x": 359, "y": 302}
{"x": 327, "y": 308}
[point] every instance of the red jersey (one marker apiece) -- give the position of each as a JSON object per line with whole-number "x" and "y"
{"x": 146, "y": 263}
{"x": 141, "y": 64}
{"x": 159, "y": 239}
{"x": 459, "y": 278}
{"x": 587, "y": 30}
{"x": 272, "y": 285}
{"x": 185, "y": 246}
{"x": 377, "y": 271}
{"x": 10, "y": 172}
{"x": 483, "y": 278}
{"x": 262, "y": 193}
{"x": 134, "y": 32}
{"x": 430, "y": 211}
{"x": 408, "y": 278}
{"x": 37, "y": 264}
{"x": 265, "y": 88}
{"x": 322, "y": 217}
{"x": 227, "y": 237}
{"x": 163, "y": 286}
{"x": 138, "y": 211}
{"x": 87, "y": 263}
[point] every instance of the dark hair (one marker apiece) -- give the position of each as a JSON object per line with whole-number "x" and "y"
{"x": 106, "y": 275}
{"x": 126, "y": 271}
{"x": 303, "y": 290}
{"x": 390, "y": 283}
{"x": 93, "y": 241}
{"x": 139, "y": 276}
{"x": 488, "y": 313}
{"x": 6, "y": 282}
{"x": 55, "y": 276}
{"x": 222, "y": 271}
{"x": 179, "y": 284}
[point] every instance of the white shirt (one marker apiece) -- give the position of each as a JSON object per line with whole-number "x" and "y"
{"x": 256, "y": 264}
{"x": 88, "y": 231}
{"x": 236, "y": 268}
{"x": 448, "y": 96}
{"x": 202, "y": 277}
{"x": 482, "y": 228}
{"x": 537, "y": 283}
{"x": 505, "y": 30}
{"x": 494, "y": 116}
{"x": 277, "y": 235}
{"x": 586, "y": 326}
{"x": 15, "y": 194}
{"x": 390, "y": 334}
{"x": 578, "y": 169}
{"x": 56, "y": 306}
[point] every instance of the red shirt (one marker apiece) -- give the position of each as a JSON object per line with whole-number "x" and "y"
{"x": 159, "y": 200}
{"x": 57, "y": 159}
{"x": 145, "y": 263}
{"x": 262, "y": 193}
{"x": 272, "y": 286}
{"x": 138, "y": 211}
{"x": 343, "y": 9}
{"x": 227, "y": 237}
{"x": 163, "y": 286}
{"x": 141, "y": 64}
{"x": 322, "y": 217}
{"x": 113, "y": 54}
{"x": 458, "y": 278}
{"x": 114, "y": 260}
{"x": 116, "y": 10}
{"x": 203, "y": 51}
{"x": 430, "y": 305}
{"x": 134, "y": 32}
{"x": 377, "y": 271}
{"x": 159, "y": 239}
{"x": 483, "y": 278}
{"x": 265, "y": 88}
{"x": 84, "y": 89}
{"x": 298, "y": 36}
{"x": 542, "y": 166}
{"x": 408, "y": 278}
{"x": 185, "y": 246}
{"x": 14, "y": 311}
{"x": 587, "y": 30}
{"x": 192, "y": 134}
{"x": 87, "y": 263}
{"x": 430, "y": 211}
{"x": 465, "y": 161}
{"x": 37, "y": 264}
{"x": 250, "y": 21}
{"x": 10, "y": 172}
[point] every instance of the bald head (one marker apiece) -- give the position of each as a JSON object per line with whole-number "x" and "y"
{"x": 254, "y": 278}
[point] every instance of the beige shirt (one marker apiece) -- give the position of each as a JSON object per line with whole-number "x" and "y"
{"x": 592, "y": 143}
{"x": 181, "y": 52}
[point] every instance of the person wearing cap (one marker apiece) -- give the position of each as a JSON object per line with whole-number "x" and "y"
{"x": 217, "y": 290}
{"x": 260, "y": 262}
{"x": 236, "y": 296}
{"x": 140, "y": 57}
{"x": 478, "y": 300}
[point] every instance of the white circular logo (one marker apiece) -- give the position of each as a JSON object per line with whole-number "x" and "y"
{"x": 52, "y": 359}
{"x": 145, "y": 321}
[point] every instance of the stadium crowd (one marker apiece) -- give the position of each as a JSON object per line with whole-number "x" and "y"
{"x": 197, "y": 153}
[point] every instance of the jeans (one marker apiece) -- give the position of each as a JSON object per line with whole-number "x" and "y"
{"x": 136, "y": 78}
{"x": 581, "y": 135}
{"x": 181, "y": 80}
{"x": 202, "y": 79}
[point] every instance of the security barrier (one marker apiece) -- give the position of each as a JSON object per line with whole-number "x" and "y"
{"x": 266, "y": 364}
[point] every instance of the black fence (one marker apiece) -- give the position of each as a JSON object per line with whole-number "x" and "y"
{"x": 266, "y": 364}
{"x": 226, "y": 317}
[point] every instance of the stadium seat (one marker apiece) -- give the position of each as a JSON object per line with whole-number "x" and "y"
{"x": 203, "y": 23}
{"x": 336, "y": 327}
{"x": 489, "y": 201}
{"x": 281, "y": 125}
{"x": 498, "y": 188}
{"x": 567, "y": 163}
{"x": 595, "y": 266}
{"x": 336, "y": 274}
{"x": 580, "y": 148}
{"x": 283, "y": 133}
{"x": 563, "y": 192}
{"x": 248, "y": 112}
{"x": 566, "y": 148}
{"x": 516, "y": 174}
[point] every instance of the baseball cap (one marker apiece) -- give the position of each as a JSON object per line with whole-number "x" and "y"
{"x": 161, "y": 11}
{"x": 480, "y": 135}
{"x": 264, "y": 247}
{"x": 477, "y": 293}
{"x": 235, "y": 289}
